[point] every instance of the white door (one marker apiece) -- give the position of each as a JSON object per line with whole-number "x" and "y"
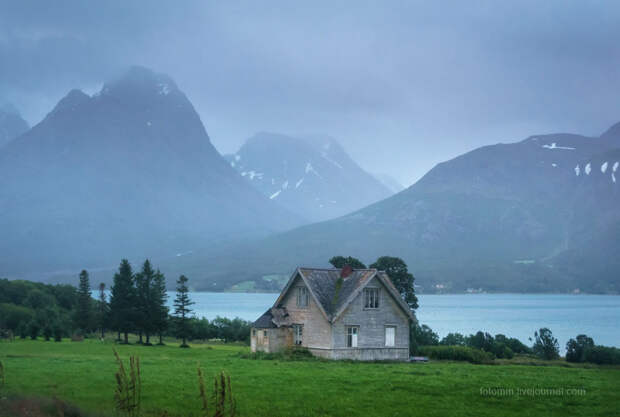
{"x": 390, "y": 333}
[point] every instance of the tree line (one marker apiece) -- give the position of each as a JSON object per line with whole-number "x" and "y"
{"x": 137, "y": 304}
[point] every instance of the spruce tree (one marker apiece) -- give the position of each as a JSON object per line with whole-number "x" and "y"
{"x": 146, "y": 308}
{"x": 182, "y": 310}
{"x": 83, "y": 314}
{"x": 160, "y": 296}
{"x": 103, "y": 310}
{"x": 123, "y": 300}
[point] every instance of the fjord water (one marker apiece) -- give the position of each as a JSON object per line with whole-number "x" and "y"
{"x": 515, "y": 315}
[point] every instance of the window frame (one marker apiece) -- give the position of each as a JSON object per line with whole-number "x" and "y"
{"x": 303, "y": 297}
{"x": 348, "y": 336}
{"x": 371, "y": 297}
{"x": 389, "y": 326}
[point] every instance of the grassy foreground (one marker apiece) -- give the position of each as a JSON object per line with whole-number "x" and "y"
{"x": 82, "y": 373}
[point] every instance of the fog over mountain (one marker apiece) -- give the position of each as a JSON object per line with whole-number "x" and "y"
{"x": 11, "y": 124}
{"x": 127, "y": 172}
{"x": 313, "y": 177}
{"x": 402, "y": 87}
{"x": 537, "y": 215}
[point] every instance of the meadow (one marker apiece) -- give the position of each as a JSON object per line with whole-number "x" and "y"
{"x": 82, "y": 373}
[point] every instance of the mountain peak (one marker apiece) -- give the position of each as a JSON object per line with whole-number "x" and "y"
{"x": 140, "y": 80}
{"x": 612, "y": 133}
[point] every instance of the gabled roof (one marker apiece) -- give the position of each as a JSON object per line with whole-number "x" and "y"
{"x": 333, "y": 299}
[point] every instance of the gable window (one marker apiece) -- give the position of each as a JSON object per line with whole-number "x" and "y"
{"x": 352, "y": 332}
{"x": 265, "y": 333}
{"x": 298, "y": 333}
{"x": 302, "y": 297}
{"x": 390, "y": 336}
{"x": 371, "y": 297}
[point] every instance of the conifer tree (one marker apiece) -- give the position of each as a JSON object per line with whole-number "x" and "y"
{"x": 182, "y": 310}
{"x": 83, "y": 314}
{"x": 103, "y": 309}
{"x": 146, "y": 308}
{"x": 123, "y": 300}
{"x": 160, "y": 296}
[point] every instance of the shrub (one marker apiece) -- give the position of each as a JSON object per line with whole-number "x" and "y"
{"x": 603, "y": 355}
{"x": 128, "y": 390}
{"x": 545, "y": 345}
{"x": 576, "y": 349}
{"x": 456, "y": 353}
{"x": 294, "y": 353}
{"x": 421, "y": 336}
{"x": 502, "y": 351}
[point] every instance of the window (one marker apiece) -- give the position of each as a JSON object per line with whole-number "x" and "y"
{"x": 371, "y": 297}
{"x": 298, "y": 333}
{"x": 352, "y": 336}
{"x": 253, "y": 332}
{"x": 302, "y": 297}
{"x": 265, "y": 333}
{"x": 390, "y": 335}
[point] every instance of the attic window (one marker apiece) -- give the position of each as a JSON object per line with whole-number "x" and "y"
{"x": 302, "y": 297}
{"x": 371, "y": 298}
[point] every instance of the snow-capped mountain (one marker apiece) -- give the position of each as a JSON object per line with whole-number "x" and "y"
{"x": 11, "y": 124}
{"x": 538, "y": 215}
{"x": 127, "y": 172}
{"x": 311, "y": 176}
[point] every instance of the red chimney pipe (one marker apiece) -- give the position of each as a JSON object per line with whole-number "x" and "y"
{"x": 346, "y": 271}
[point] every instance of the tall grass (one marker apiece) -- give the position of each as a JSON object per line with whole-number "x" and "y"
{"x": 128, "y": 389}
{"x": 222, "y": 398}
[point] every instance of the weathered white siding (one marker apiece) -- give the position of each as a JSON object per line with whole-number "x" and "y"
{"x": 316, "y": 330}
{"x": 372, "y": 323}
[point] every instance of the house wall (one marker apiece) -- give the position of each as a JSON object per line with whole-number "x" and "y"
{"x": 372, "y": 323}
{"x": 275, "y": 339}
{"x": 316, "y": 330}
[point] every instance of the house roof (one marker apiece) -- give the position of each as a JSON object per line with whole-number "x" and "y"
{"x": 333, "y": 295}
{"x": 272, "y": 318}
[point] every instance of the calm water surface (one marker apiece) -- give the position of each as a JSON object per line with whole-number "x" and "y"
{"x": 515, "y": 315}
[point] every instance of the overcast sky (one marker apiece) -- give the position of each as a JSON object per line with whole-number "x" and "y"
{"x": 402, "y": 85}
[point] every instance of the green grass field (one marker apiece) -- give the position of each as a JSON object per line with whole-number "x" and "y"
{"x": 82, "y": 373}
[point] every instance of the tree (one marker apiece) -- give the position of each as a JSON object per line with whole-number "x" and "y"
{"x": 182, "y": 310}
{"x": 147, "y": 309}
{"x": 576, "y": 349}
{"x": 400, "y": 276}
{"x": 122, "y": 300}
{"x": 103, "y": 309}
{"x": 421, "y": 336}
{"x": 545, "y": 345}
{"x": 83, "y": 314}
{"x": 341, "y": 261}
{"x": 160, "y": 296}
{"x": 453, "y": 339}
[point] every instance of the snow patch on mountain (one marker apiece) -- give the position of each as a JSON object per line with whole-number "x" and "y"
{"x": 604, "y": 167}
{"x": 274, "y": 195}
{"x": 577, "y": 170}
{"x": 252, "y": 174}
{"x": 588, "y": 169}
{"x": 298, "y": 183}
{"x": 554, "y": 145}
{"x": 285, "y": 185}
{"x": 309, "y": 169}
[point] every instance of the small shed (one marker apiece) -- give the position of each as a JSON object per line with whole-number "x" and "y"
{"x": 272, "y": 331}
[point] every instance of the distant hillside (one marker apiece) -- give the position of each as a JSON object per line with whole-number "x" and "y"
{"x": 390, "y": 182}
{"x": 313, "y": 177}
{"x": 11, "y": 124}
{"x": 128, "y": 172}
{"x": 539, "y": 215}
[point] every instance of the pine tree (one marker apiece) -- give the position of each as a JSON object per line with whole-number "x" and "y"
{"x": 182, "y": 310}
{"x": 103, "y": 310}
{"x": 145, "y": 305}
{"x": 123, "y": 300}
{"x": 160, "y": 296}
{"x": 83, "y": 315}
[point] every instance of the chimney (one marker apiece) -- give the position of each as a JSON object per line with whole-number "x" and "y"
{"x": 346, "y": 271}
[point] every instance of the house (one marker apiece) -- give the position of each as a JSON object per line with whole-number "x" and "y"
{"x": 337, "y": 314}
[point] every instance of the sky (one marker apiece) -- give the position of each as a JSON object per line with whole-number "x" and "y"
{"x": 402, "y": 85}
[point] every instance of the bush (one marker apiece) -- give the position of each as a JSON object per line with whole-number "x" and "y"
{"x": 513, "y": 343}
{"x": 545, "y": 345}
{"x": 456, "y": 353}
{"x": 603, "y": 355}
{"x": 294, "y": 353}
{"x": 576, "y": 349}
{"x": 421, "y": 336}
{"x": 453, "y": 339}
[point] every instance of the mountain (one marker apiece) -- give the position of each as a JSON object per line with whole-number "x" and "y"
{"x": 390, "y": 182}
{"x": 11, "y": 124}
{"x": 312, "y": 176}
{"x": 539, "y": 215}
{"x": 128, "y": 172}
